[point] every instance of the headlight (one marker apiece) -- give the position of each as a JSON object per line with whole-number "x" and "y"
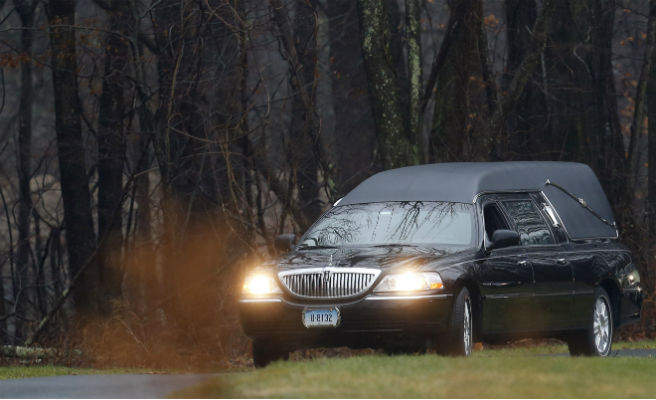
{"x": 634, "y": 277}
{"x": 260, "y": 284}
{"x": 410, "y": 282}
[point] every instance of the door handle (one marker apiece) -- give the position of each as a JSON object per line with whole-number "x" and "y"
{"x": 561, "y": 261}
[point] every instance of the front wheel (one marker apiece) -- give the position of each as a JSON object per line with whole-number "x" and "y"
{"x": 459, "y": 338}
{"x": 597, "y": 340}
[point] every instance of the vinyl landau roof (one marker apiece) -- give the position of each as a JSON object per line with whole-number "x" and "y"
{"x": 462, "y": 182}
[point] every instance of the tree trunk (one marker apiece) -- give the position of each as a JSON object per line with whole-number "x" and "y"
{"x": 299, "y": 42}
{"x": 80, "y": 235}
{"x": 41, "y": 252}
{"x": 145, "y": 282}
{"x": 354, "y": 125}
{"x": 390, "y": 116}
{"x": 55, "y": 263}
{"x": 641, "y": 90}
{"x": 571, "y": 81}
{"x": 610, "y": 163}
{"x": 304, "y": 130}
{"x": 247, "y": 166}
{"x": 25, "y": 268}
{"x": 526, "y": 122}
{"x": 413, "y": 28}
{"x": 651, "y": 120}
{"x": 111, "y": 152}
{"x": 461, "y": 100}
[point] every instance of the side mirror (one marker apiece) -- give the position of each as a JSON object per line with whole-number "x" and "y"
{"x": 284, "y": 242}
{"x": 504, "y": 238}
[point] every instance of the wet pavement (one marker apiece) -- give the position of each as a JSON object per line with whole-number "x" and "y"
{"x": 99, "y": 386}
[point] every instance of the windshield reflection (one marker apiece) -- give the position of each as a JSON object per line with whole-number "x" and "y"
{"x": 449, "y": 226}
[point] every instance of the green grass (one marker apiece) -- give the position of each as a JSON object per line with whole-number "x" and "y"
{"x": 52, "y": 370}
{"x": 504, "y": 372}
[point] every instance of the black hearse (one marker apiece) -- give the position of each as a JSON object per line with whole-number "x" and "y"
{"x": 443, "y": 255}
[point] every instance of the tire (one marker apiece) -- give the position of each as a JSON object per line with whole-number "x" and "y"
{"x": 597, "y": 340}
{"x": 264, "y": 353}
{"x": 459, "y": 339}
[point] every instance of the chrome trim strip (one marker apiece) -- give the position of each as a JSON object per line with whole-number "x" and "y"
{"x": 560, "y": 220}
{"x": 418, "y": 297}
{"x": 582, "y": 292}
{"x": 350, "y": 282}
{"x": 554, "y": 294}
{"x": 507, "y": 296}
{"x": 299, "y": 271}
{"x": 260, "y": 300}
{"x": 515, "y": 191}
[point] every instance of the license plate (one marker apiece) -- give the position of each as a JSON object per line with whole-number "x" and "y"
{"x": 321, "y": 318}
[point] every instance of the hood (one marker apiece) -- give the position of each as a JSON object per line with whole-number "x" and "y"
{"x": 383, "y": 258}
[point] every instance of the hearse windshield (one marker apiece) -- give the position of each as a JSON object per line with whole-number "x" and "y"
{"x": 447, "y": 226}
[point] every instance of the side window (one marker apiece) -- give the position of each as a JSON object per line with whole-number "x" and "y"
{"x": 532, "y": 228}
{"x": 493, "y": 219}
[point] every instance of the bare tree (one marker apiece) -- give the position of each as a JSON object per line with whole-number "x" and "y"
{"x": 111, "y": 147}
{"x": 396, "y": 146}
{"x": 460, "y": 79}
{"x": 26, "y": 272}
{"x": 80, "y": 235}
{"x": 413, "y": 32}
{"x": 651, "y": 116}
{"x": 299, "y": 44}
{"x": 354, "y": 125}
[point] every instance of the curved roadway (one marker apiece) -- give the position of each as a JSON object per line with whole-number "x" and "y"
{"x": 99, "y": 386}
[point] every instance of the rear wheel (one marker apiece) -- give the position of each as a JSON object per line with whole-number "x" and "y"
{"x": 597, "y": 340}
{"x": 459, "y": 338}
{"x": 265, "y": 352}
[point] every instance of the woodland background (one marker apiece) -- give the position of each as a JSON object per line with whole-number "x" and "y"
{"x": 150, "y": 150}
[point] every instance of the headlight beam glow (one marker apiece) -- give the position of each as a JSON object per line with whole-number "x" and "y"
{"x": 410, "y": 282}
{"x": 260, "y": 284}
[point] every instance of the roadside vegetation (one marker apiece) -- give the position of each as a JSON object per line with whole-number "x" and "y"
{"x": 508, "y": 372}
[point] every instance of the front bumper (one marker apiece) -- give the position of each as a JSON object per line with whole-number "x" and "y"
{"x": 372, "y": 321}
{"x": 631, "y": 305}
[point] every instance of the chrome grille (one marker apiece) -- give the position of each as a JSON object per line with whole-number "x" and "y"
{"x": 329, "y": 282}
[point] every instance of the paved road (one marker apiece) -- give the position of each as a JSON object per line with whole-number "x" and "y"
{"x": 644, "y": 353}
{"x": 650, "y": 353}
{"x": 99, "y": 386}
